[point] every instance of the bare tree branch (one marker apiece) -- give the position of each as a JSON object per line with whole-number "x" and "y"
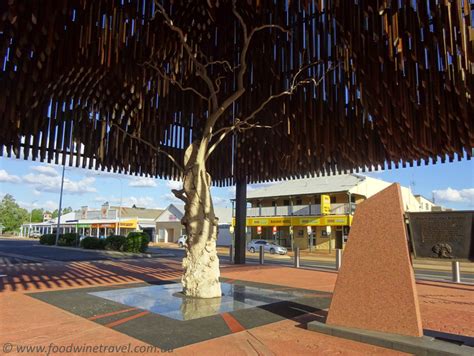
{"x": 239, "y": 124}
{"x": 200, "y": 68}
{"x": 180, "y": 194}
{"x": 247, "y": 38}
{"x": 174, "y": 81}
{"x": 155, "y": 148}
{"x": 225, "y": 63}
{"x": 293, "y": 87}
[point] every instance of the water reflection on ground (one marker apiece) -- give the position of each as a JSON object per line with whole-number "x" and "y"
{"x": 168, "y": 301}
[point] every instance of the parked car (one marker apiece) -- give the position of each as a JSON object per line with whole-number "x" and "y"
{"x": 35, "y": 235}
{"x": 182, "y": 240}
{"x": 268, "y": 246}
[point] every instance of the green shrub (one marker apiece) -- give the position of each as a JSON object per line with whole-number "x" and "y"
{"x": 115, "y": 243}
{"x": 68, "y": 239}
{"x": 93, "y": 243}
{"x": 137, "y": 242}
{"x": 48, "y": 239}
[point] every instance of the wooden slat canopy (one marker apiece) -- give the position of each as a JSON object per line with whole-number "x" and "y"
{"x": 76, "y": 74}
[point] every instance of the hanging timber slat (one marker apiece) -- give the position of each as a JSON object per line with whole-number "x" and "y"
{"x": 79, "y": 84}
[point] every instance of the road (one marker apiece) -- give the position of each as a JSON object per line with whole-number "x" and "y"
{"x": 420, "y": 273}
{"x": 15, "y": 251}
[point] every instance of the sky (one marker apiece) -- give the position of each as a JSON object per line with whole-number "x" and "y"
{"x": 37, "y": 185}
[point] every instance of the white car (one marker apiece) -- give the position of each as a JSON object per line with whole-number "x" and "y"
{"x": 268, "y": 246}
{"x": 182, "y": 240}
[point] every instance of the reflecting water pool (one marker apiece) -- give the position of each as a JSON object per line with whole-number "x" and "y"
{"x": 168, "y": 301}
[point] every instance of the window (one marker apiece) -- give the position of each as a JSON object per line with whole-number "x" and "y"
{"x": 286, "y": 202}
{"x": 299, "y": 202}
{"x": 353, "y": 199}
{"x": 274, "y": 203}
{"x": 317, "y": 199}
{"x": 333, "y": 200}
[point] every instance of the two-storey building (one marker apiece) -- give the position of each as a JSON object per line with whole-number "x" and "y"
{"x": 313, "y": 213}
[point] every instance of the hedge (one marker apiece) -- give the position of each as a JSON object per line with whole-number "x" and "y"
{"x": 48, "y": 239}
{"x": 69, "y": 239}
{"x": 137, "y": 242}
{"x": 115, "y": 242}
{"x": 93, "y": 243}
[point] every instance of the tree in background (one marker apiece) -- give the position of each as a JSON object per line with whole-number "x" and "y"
{"x": 12, "y": 216}
{"x": 37, "y": 215}
{"x": 65, "y": 211}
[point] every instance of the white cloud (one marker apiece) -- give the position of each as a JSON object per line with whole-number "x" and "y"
{"x": 5, "y": 177}
{"x": 48, "y": 205}
{"x": 45, "y": 183}
{"x": 219, "y": 201}
{"x": 142, "y": 182}
{"x": 171, "y": 199}
{"x": 174, "y": 184}
{"x": 142, "y": 202}
{"x": 455, "y": 195}
{"x": 46, "y": 170}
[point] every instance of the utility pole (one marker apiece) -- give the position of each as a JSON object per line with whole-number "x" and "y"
{"x": 60, "y": 205}
{"x": 120, "y": 207}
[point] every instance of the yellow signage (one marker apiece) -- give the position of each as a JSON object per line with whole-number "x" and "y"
{"x": 129, "y": 224}
{"x": 328, "y": 220}
{"x": 104, "y": 225}
{"x": 276, "y": 221}
{"x": 325, "y": 204}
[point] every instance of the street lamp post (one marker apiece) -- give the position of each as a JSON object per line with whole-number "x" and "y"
{"x": 31, "y": 216}
{"x": 60, "y": 205}
{"x": 120, "y": 207}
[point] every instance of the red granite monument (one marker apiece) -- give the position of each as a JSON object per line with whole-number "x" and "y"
{"x": 375, "y": 289}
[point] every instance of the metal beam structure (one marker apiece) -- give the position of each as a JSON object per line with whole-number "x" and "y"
{"x": 240, "y": 221}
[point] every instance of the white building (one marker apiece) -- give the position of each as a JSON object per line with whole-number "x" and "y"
{"x": 169, "y": 228}
{"x": 106, "y": 221}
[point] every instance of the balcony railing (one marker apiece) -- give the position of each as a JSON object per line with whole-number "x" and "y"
{"x": 298, "y": 210}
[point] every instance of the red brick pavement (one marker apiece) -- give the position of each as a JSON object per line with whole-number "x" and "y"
{"x": 444, "y": 307}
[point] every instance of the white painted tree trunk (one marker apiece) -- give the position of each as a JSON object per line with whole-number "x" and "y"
{"x": 201, "y": 264}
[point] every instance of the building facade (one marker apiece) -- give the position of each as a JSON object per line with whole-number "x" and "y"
{"x": 314, "y": 213}
{"x": 103, "y": 222}
{"x": 169, "y": 227}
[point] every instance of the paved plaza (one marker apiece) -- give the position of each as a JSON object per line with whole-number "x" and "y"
{"x": 79, "y": 302}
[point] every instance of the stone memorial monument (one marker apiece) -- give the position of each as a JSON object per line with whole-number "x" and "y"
{"x": 375, "y": 288}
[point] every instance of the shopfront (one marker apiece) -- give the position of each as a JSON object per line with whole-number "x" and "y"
{"x": 321, "y": 233}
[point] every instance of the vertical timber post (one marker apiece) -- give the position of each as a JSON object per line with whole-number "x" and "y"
{"x": 240, "y": 220}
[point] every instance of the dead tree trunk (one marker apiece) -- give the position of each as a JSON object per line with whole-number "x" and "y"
{"x": 201, "y": 264}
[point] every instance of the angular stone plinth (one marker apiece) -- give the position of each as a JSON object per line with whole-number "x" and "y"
{"x": 375, "y": 288}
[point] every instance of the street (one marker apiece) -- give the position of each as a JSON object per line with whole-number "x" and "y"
{"x": 14, "y": 251}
